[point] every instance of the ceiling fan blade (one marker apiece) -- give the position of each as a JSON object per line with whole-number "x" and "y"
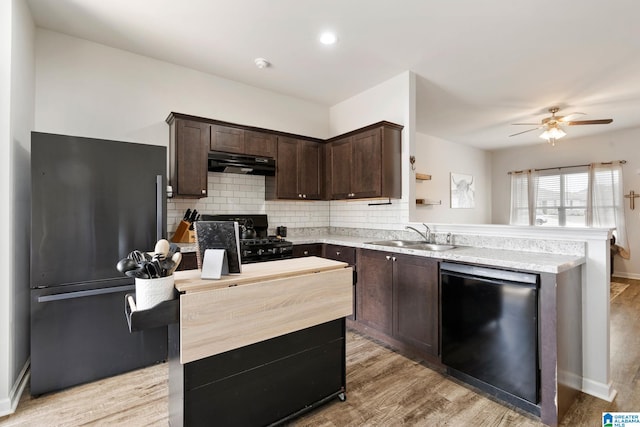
{"x": 590, "y": 122}
{"x": 530, "y": 130}
{"x": 570, "y": 117}
{"x": 528, "y": 124}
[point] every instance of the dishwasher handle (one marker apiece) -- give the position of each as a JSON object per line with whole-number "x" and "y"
{"x": 489, "y": 273}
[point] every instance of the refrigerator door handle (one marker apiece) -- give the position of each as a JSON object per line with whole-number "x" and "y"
{"x": 159, "y": 207}
{"x": 89, "y": 293}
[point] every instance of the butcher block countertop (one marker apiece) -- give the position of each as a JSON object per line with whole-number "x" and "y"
{"x": 266, "y": 300}
{"x": 190, "y": 281}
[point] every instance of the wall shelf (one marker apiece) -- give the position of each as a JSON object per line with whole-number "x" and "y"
{"x": 425, "y": 202}
{"x": 423, "y": 177}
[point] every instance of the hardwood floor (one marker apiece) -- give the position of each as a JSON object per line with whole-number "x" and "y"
{"x": 384, "y": 388}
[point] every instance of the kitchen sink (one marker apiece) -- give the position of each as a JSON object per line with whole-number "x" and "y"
{"x": 413, "y": 244}
{"x": 397, "y": 243}
{"x": 431, "y": 246}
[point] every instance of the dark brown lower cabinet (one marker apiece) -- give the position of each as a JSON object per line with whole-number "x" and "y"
{"x": 415, "y": 302}
{"x": 375, "y": 290}
{"x": 398, "y": 296}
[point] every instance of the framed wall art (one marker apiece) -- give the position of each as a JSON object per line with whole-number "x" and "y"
{"x": 463, "y": 191}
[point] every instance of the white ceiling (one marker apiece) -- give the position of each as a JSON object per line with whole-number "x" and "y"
{"x": 480, "y": 65}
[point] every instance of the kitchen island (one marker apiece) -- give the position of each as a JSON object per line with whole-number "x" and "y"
{"x": 261, "y": 346}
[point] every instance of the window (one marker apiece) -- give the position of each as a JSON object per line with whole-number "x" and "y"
{"x": 561, "y": 198}
{"x": 579, "y": 196}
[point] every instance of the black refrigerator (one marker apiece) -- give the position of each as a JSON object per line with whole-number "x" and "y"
{"x": 93, "y": 202}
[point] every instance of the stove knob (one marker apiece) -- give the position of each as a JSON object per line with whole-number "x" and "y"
{"x": 246, "y": 253}
{"x": 260, "y": 251}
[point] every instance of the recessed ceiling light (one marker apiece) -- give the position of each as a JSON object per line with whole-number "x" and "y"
{"x": 328, "y": 38}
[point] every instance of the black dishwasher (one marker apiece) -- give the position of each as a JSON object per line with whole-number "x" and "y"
{"x": 490, "y": 330}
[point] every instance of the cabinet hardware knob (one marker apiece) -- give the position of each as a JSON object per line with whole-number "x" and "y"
{"x": 304, "y": 196}
{"x": 388, "y": 257}
{"x": 299, "y": 195}
{"x": 337, "y": 252}
{"x": 305, "y": 253}
{"x": 393, "y": 258}
{"x": 204, "y": 191}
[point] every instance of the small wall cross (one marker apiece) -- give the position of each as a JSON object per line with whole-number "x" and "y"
{"x": 632, "y": 197}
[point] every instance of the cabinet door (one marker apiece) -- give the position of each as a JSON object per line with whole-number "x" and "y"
{"x": 309, "y": 170}
{"x": 287, "y": 168}
{"x": 227, "y": 139}
{"x": 366, "y": 167}
{"x": 415, "y": 300}
{"x": 340, "y": 168}
{"x": 375, "y": 284}
{"x": 191, "y": 147}
{"x": 260, "y": 144}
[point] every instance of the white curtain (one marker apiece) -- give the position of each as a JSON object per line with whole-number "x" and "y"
{"x": 607, "y": 202}
{"x": 524, "y": 187}
{"x": 520, "y": 212}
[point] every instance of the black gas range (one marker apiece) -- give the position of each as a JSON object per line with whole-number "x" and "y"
{"x": 260, "y": 247}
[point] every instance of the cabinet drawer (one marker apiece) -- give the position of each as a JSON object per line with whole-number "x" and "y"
{"x": 340, "y": 253}
{"x": 310, "y": 249}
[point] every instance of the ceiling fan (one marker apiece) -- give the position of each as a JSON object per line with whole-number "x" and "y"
{"x": 553, "y": 125}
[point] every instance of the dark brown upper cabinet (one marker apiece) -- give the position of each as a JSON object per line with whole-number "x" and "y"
{"x": 366, "y": 163}
{"x": 188, "y": 149}
{"x": 241, "y": 141}
{"x": 299, "y": 171}
{"x": 227, "y": 139}
{"x": 260, "y": 144}
{"x": 362, "y": 164}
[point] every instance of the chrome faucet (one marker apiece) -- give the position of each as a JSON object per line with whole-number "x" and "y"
{"x": 427, "y": 237}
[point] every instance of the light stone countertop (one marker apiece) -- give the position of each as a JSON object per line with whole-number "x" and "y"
{"x": 513, "y": 259}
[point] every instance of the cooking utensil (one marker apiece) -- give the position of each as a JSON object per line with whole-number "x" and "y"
{"x": 176, "y": 258}
{"x": 126, "y": 264}
{"x": 193, "y": 216}
{"x": 139, "y": 256}
{"x": 162, "y": 248}
{"x": 138, "y": 273}
{"x": 187, "y": 215}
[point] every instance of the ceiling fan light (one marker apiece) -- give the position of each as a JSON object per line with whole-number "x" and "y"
{"x": 556, "y": 132}
{"x": 552, "y": 133}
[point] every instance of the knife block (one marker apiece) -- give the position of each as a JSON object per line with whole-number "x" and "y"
{"x": 183, "y": 234}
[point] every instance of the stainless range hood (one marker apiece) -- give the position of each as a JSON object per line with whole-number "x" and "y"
{"x": 242, "y": 164}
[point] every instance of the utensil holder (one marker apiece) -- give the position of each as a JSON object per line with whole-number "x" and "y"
{"x": 150, "y": 292}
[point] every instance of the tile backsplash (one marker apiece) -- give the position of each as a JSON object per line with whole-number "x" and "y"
{"x": 244, "y": 194}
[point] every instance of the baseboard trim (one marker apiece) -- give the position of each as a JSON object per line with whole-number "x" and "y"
{"x": 635, "y": 276}
{"x": 9, "y": 404}
{"x": 599, "y": 390}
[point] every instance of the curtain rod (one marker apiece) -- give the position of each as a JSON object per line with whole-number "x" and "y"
{"x": 622, "y": 162}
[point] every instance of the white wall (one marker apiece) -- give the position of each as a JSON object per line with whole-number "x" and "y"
{"x": 621, "y": 145}
{"x": 394, "y": 101}
{"x": 438, "y": 157}
{"x": 16, "y": 121}
{"x": 92, "y": 90}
